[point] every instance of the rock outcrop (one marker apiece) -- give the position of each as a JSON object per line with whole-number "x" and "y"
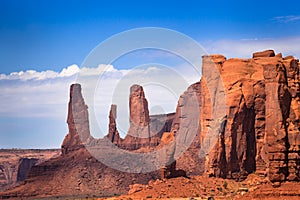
{"x": 167, "y": 157}
{"x": 76, "y": 172}
{"x": 139, "y": 134}
{"x": 15, "y": 164}
{"x": 25, "y": 165}
{"x": 161, "y": 123}
{"x": 267, "y": 53}
{"x": 261, "y": 129}
{"x": 113, "y": 134}
{"x": 242, "y": 117}
{"x": 186, "y": 129}
{"x": 282, "y": 119}
{"x": 78, "y": 121}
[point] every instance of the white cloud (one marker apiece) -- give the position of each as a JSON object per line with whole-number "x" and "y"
{"x": 65, "y": 72}
{"x": 102, "y": 68}
{"x": 34, "y": 99}
{"x": 29, "y": 74}
{"x": 245, "y": 47}
{"x": 43, "y": 75}
{"x": 69, "y": 71}
{"x": 286, "y": 19}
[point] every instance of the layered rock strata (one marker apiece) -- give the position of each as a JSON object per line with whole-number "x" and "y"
{"x": 15, "y": 164}
{"x": 261, "y": 128}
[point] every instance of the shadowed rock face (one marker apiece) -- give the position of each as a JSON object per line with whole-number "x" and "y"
{"x": 25, "y": 165}
{"x": 161, "y": 123}
{"x": 233, "y": 155}
{"x": 282, "y": 119}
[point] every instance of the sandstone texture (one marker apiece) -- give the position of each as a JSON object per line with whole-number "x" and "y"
{"x": 261, "y": 128}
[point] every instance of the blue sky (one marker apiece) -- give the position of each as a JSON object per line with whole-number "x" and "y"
{"x": 49, "y": 36}
{"x": 53, "y": 34}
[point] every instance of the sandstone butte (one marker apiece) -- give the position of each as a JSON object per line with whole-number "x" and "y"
{"x": 243, "y": 122}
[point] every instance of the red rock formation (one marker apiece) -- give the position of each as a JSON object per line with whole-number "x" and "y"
{"x": 293, "y": 120}
{"x": 78, "y": 121}
{"x": 139, "y": 134}
{"x": 267, "y": 53}
{"x": 234, "y": 153}
{"x": 186, "y": 129}
{"x": 188, "y": 103}
{"x": 167, "y": 157}
{"x": 139, "y": 113}
{"x": 282, "y": 119}
{"x": 161, "y": 123}
{"x": 76, "y": 172}
{"x": 113, "y": 134}
{"x": 262, "y": 95}
{"x": 16, "y": 163}
{"x": 243, "y": 116}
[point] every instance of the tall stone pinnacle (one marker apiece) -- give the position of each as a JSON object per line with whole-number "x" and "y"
{"x": 78, "y": 121}
{"x": 113, "y": 134}
{"x": 139, "y": 131}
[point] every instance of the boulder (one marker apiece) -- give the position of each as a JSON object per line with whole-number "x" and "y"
{"x": 267, "y": 53}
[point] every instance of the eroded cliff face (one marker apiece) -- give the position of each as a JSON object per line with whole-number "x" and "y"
{"x": 15, "y": 164}
{"x": 261, "y": 128}
{"x": 186, "y": 129}
{"x": 282, "y": 119}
